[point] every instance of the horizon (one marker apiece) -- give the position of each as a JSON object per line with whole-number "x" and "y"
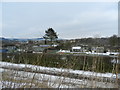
{"x": 58, "y": 38}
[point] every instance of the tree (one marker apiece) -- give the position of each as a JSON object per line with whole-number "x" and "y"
{"x": 50, "y": 35}
{"x": 113, "y": 40}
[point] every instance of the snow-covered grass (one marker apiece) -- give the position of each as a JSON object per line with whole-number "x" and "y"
{"x": 58, "y": 70}
{"x": 18, "y": 79}
{"x": 26, "y": 75}
{"x": 52, "y": 80}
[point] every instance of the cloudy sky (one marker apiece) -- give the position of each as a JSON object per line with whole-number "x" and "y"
{"x": 68, "y": 19}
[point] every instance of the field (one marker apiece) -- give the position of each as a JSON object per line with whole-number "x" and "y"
{"x": 54, "y": 70}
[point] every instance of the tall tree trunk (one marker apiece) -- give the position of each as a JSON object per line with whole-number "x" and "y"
{"x": 51, "y": 41}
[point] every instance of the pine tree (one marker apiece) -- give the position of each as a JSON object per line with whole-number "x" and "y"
{"x": 50, "y": 35}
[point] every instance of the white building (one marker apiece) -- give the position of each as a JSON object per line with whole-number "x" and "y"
{"x": 76, "y": 49}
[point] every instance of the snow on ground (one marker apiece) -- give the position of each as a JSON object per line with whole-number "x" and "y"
{"x": 58, "y": 70}
{"x": 90, "y": 53}
{"x": 52, "y": 81}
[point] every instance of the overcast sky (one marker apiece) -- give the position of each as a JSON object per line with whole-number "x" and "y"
{"x": 68, "y": 19}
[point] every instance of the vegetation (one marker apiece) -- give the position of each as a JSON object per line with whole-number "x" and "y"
{"x": 112, "y": 43}
{"x": 30, "y": 79}
{"x": 50, "y": 35}
{"x": 100, "y": 63}
{"x": 83, "y": 62}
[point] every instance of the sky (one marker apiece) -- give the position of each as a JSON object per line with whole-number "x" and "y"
{"x": 68, "y": 19}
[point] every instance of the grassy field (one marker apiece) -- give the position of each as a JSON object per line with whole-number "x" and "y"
{"x": 82, "y": 62}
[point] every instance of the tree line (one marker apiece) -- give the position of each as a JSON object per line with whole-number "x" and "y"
{"x": 52, "y": 37}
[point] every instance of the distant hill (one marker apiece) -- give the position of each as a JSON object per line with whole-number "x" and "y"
{"x": 19, "y": 39}
{"x": 5, "y": 39}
